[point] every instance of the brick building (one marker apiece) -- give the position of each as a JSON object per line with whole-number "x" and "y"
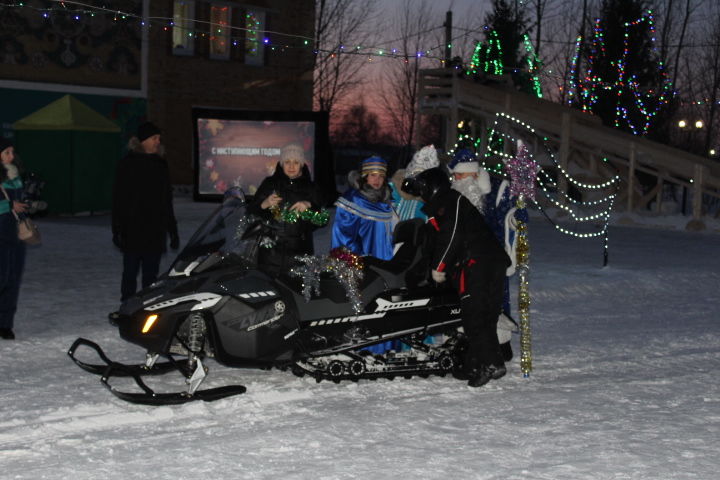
{"x": 157, "y": 60}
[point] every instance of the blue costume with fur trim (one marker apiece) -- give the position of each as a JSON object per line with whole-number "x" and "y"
{"x": 363, "y": 226}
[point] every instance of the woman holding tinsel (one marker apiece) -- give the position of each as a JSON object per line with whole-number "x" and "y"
{"x": 292, "y": 202}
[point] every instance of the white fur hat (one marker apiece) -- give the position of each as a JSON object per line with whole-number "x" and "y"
{"x": 293, "y": 151}
{"x": 423, "y": 159}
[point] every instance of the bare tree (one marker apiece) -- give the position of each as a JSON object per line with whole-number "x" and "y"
{"x": 676, "y": 15}
{"x": 559, "y": 50}
{"x": 337, "y": 68}
{"x": 398, "y": 90}
{"x": 705, "y": 85}
{"x": 538, "y": 8}
{"x": 358, "y": 126}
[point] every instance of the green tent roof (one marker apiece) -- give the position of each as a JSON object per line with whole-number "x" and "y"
{"x": 66, "y": 113}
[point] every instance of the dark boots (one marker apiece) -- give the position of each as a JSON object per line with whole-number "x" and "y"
{"x": 7, "y": 334}
{"x": 480, "y": 376}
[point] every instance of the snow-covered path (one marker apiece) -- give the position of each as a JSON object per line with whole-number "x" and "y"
{"x": 623, "y": 383}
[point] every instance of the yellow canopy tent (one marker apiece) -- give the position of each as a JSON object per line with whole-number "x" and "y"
{"x": 74, "y": 149}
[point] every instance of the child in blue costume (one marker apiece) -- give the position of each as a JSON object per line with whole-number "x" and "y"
{"x": 364, "y": 219}
{"x": 364, "y": 215}
{"x": 407, "y": 206}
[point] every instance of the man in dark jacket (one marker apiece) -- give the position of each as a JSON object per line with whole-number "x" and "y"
{"x": 291, "y": 188}
{"x": 142, "y": 211}
{"x": 464, "y": 247}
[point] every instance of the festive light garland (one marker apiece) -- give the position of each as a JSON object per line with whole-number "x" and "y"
{"x": 488, "y": 58}
{"x": 305, "y": 42}
{"x": 584, "y": 92}
{"x": 210, "y": 29}
{"x": 496, "y": 138}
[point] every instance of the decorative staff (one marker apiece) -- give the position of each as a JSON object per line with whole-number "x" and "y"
{"x": 523, "y": 173}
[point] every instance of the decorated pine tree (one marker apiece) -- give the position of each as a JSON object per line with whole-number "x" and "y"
{"x": 506, "y": 48}
{"x": 623, "y": 80}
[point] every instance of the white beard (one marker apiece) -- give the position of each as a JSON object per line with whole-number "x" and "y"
{"x": 472, "y": 189}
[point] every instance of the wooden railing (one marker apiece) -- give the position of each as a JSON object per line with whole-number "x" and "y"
{"x": 573, "y": 135}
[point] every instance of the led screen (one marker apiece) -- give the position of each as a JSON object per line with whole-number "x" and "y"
{"x": 241, "y": 148}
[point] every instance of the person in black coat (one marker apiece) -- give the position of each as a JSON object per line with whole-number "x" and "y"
{"x": 289, "y": 187}
{"x": 142, "y": 210}
{"x": 464, "y": 247}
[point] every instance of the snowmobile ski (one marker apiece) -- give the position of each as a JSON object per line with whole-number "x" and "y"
{"x": 149, "y": 396}
{"x": 127, "y": 370}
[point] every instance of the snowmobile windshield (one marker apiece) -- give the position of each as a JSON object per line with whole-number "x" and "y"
{"x": 218, "y": 238}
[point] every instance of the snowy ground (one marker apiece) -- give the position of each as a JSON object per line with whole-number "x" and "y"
{"x": 624, "y": 382}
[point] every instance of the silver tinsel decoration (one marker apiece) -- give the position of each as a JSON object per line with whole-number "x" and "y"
{"x": 314, "y": 266}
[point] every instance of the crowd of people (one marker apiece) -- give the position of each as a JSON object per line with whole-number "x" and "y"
{"x": 461, "y": 247}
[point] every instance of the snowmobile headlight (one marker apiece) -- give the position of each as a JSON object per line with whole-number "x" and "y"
{"x": 149, "y": 322}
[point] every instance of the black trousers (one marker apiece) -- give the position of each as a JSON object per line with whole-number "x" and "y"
{"x": 481, "y": 287}
{"x": 12, "y": 262}
{"x": 132, "y": 264}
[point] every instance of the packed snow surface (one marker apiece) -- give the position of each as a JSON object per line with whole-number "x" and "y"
{"x": 624, "y": 380}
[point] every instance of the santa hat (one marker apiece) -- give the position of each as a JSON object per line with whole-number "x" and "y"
{"x": 464, "y": 161}
{"x": 373, "y": 165}
{"x": 422, "y": 160}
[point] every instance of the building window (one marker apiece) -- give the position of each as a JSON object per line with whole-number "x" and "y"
{"x": 220, "y": 16}
{"x": 183, "y": 33}
{"x": 254, "y": 38}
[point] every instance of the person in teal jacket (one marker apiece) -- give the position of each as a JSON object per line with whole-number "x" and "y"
{"x": 12, "y": 250}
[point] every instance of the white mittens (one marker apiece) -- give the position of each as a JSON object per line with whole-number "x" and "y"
{"x": 439, "y": 277}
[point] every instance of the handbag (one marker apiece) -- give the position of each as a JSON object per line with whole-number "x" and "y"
{"x": 28, "y": 232}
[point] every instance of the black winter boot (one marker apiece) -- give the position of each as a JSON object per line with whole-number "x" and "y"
{"x": 7, "y": 334}
{"x": 479, "y": 377}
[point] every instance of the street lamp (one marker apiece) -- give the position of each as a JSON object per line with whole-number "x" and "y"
{"x": 685, "y": 126}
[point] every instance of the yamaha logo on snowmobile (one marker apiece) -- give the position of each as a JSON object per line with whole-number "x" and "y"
{"x": 279, "y": 310}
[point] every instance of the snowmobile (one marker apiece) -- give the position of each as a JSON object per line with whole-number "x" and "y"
{"x": 215, "y": 303}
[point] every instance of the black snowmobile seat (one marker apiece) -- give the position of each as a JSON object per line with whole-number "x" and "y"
{"x": 409, "y": 233}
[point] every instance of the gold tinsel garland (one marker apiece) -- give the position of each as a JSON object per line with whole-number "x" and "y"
{"x": 523, "y": 269}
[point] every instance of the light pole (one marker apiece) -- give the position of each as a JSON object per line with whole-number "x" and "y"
{"x": 685, "y": 126}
